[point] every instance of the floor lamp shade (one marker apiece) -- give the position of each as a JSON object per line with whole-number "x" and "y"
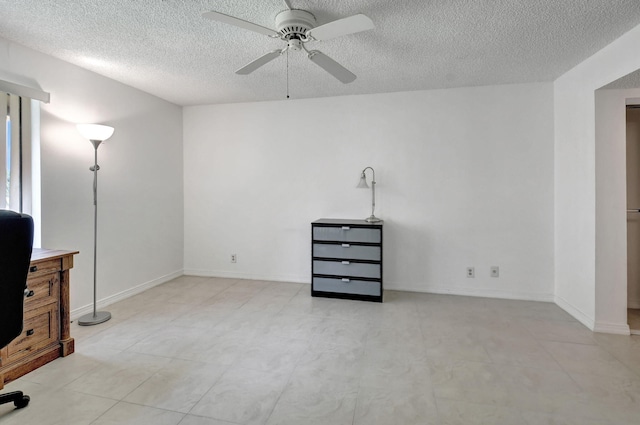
{"x": 95, "y": 131}
{"x": 362, "y": 184}
{"x": 96, "y": 134}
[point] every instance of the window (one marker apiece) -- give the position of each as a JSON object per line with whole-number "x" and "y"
{"x": 15, "y": 150}
{"x": 20, "y": 157}
{"x": 20, "y": 151}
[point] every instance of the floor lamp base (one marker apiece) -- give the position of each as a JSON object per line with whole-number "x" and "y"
{"x": 94, "y": 319}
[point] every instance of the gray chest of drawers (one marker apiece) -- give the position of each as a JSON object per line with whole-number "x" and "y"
{"x": 346, "y": 259}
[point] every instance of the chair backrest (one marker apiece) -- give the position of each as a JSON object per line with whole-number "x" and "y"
{"x": 16, "y": 242}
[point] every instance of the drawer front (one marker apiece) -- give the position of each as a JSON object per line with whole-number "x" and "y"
{"x": 44, "y": 267}
{"x": 346, "y": 268}
{"x": 345, "y": 250}
{"x": 40, "y": 330}
{"x": 346, "y": 234}
{"x": 45, "y": 289}
{"x": 346, "y": 286}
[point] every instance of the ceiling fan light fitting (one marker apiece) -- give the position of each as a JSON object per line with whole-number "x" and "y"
{"x": 294, "y": 24}
{"x": 295, "y": 44}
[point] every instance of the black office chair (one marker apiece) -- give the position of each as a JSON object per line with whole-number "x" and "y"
{"x": 16, "y": 242}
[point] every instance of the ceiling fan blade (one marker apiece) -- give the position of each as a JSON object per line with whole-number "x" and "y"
{"x": 262, "y": 60}
{"x": 345, "y": 26}
{"x": 221, "y": 17}
{"x": 331, "y": 66}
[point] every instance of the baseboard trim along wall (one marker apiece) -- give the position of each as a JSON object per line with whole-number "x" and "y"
{"x": 474, "y": 292}
{"x": 589, "y": 322}
{"x": 633, "y": 304}
{"x": 470, "y": 292}
{"x": 601, "y": 327}
{"x": 125, "y": 294}
{"x": 612, "y": 328}
{"x": 248, "y": 276}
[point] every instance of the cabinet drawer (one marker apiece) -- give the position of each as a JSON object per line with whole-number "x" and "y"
{"x": 44, "y": 267}
{"x": 346, "y": 234}
{"x": 346, "y": 268}
{"x": 40, "y": 330}
{"x": 345, "y": 250}
{"x": 45, "y": 289}
{"x": 346, "y": 286}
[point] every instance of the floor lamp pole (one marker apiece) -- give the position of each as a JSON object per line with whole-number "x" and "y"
{"x": 97, "y": 316}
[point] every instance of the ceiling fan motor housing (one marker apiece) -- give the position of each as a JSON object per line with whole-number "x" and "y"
{"x": 294, "y": 24}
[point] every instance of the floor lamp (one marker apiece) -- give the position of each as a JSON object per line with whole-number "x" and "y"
{"x": 96, "y": 135}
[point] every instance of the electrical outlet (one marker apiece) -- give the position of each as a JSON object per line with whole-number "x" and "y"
{"x": 234, "y": 258}
{"x": 495, "y": 271}
{"x": 471, "y": 272}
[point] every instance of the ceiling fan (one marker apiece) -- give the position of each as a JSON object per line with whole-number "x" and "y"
{"x": 297, "y": 27}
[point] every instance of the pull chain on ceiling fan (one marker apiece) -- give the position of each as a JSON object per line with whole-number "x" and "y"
{"x": 297, "y": 27}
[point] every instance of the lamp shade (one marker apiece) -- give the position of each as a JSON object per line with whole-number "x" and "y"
{"x": 362, "y": 184}
{"x": 95, "y": 131}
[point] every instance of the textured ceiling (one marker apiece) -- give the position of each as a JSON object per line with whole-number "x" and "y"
{"x": 166, "y": 48}
{"x": 629, "y": 81}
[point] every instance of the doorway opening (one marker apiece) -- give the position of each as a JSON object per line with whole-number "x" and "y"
{"x": 633, "y": 218}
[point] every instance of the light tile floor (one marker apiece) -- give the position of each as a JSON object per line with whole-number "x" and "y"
{"x": 209, "y": 351}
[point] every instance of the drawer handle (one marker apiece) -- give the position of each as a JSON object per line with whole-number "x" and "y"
{"x": 346, "y": 228}
{"x": 345, "y": 245}
{"x": 28, "y": 293}
{"x": 30, "y": 332}
{"x": 346, "y": 263}
{"x": 33, "y": 269}
{"x": 344, "y": 279}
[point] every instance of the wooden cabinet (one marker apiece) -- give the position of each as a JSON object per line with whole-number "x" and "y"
{"x": 46, "y": 332}
{"x": 346, "y": 259}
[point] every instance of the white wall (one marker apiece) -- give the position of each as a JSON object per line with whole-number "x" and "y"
{"x": 465, "y": 178}
{"x": 140, "y": 239}
{"x": 582, "y": 236}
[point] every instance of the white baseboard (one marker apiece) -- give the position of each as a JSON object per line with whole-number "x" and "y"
{"x": 251, "y": 276}
{"x": 612, "y": 328}
{"x": 474, "y": 292}
{"x": 578, "y": 314}
{"x": 471, "y": 292}
{"x": 124, "y": 294}
{"x": 589, "y": 322}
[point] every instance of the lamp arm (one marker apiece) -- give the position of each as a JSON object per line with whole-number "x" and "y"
{"x": 372, "y": 170}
